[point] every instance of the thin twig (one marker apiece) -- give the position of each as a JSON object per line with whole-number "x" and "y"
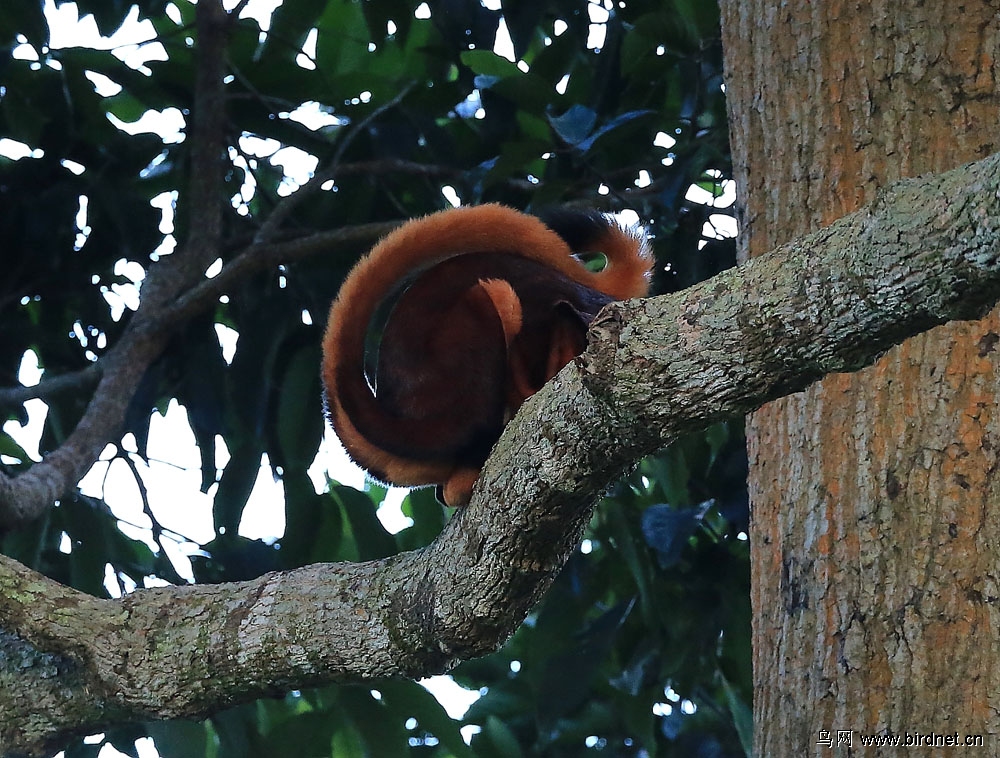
{"x": 286, "y": 206}
{"x": 49, "y": 386}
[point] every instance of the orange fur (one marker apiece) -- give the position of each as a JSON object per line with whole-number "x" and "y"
{"x": 482, "y": 327}
{"x": 507, "y": 305}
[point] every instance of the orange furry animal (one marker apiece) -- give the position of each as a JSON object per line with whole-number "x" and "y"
{"x": 487, "y": 304}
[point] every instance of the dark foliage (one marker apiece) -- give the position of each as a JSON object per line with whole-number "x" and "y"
{"x": 642, "y": 646}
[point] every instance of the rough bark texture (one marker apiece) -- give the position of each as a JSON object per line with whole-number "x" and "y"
{"x": 926, "y": 252}
{"x": 874, "y": 543}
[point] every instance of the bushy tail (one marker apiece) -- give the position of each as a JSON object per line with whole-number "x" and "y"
{"x": 354, "y": 411}
{"x": 629, "y": 259}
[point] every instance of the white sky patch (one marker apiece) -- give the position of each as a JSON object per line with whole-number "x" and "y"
{"x": 134, "y": 42}
{"x": 104, "y": 86}
{"x": 597, "y": 33}
{"x": 259, "y": 10}
{"x": 701, "y": 196}
{"x": 720, "y": 226}
{"x": 333, "y": 461}
{"x": 27, "y": 436}
{"x": 297, "y": 165}
{"x": 29, "y": 374}
{"x": 314, "y": 116}
{"x": 264, "y": 512}
{"x": 248, "y": 188}
{"x": 24, "y": 51}
{"x": 130, "y": 270}
{"x": 664, "y": 140}
{"x": 453, "y": 697}
{"x": 167, "y": 124}
{"x": 17, "y": 150}
{"x": 228, "y": 339}
{"x": 728, "y": 196}
{"x": 390, "y": 511}
{"x": 503, "y": 45}
{"x": 214, "y": 270}
{"x": 122, "y": 296}
{"x": 307, "y": 58}
{"x": 172, "y": 479}
{"x": 144, "y": 748}
{"x": 628, "y": 218}
{"x": 364, "y": 97}
{"x": 82, "y": 227}
{"x": 166, "y": 202}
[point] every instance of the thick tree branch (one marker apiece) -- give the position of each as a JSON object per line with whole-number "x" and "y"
{"x": 926, "y": 252}
{"x": 28, "y": 495}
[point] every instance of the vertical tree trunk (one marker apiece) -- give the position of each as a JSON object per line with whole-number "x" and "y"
{"x": 876, "y": 526}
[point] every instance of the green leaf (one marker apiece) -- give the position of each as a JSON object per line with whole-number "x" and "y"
{"x": 742, "y": 716}
{"x": 24, "y": 17}
{"x": 372, "y": 539}
{"x": 126, "y": 107}
{"x": 624, "y": 118}
{"x": 180, "y": 739}
{"x": 575, "y": 125}
{"x": 235, "y": 487}
{"x": 488, "y": 64}
{"x": 627, "y": 544}
{"x": 411, "y": 698}
{"x": 501, "y": 739}
{"x": 428, "y": 516}
{"x": 342, "y": 45}
{"x": 381, "y": 730}
{"x": 300, "y": 415}
{"x": 290, "y": 25}
{"x": 312, "y": 733}
{"x": 9, "y": 447}
{"x": 568, "y": 678}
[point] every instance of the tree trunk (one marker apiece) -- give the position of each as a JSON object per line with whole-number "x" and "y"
{"x": 876, "y": 555}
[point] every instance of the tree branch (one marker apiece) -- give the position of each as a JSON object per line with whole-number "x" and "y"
{"x": 256, "y": 258}
{"x": 327, "y": 172}
{"x": 28, "y": 495}
{"x": 925, "y": 252}
{"x": 49, "y": 386}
